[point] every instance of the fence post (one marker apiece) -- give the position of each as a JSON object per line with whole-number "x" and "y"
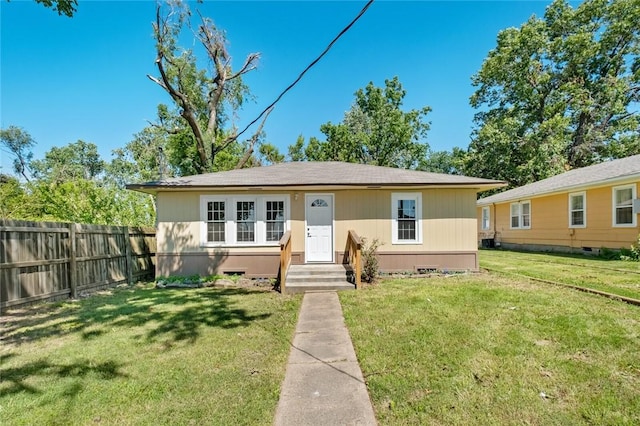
{"x": 127, "y": 252}
{"x": 73, "y": 271}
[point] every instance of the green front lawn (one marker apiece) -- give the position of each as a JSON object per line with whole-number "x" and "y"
{"x": 616, "y": 277}
{"x": 479, "y": 349}
{"x": 148, "y": 356}
{"x": 489, "y": 349}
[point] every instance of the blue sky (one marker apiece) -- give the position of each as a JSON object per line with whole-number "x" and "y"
{"x": 64, "y": 79}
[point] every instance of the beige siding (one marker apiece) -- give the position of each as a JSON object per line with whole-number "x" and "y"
{"x": 550, "y": 223}
{"x": 449, "y": 222}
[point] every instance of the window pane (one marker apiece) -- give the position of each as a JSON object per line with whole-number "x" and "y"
{"x": 577, "y": 218}
{"x": 406, "y": 209}
{"x": 577, "y": 202}
{"x": 623, "y": 197}
{"x": 624, "y": 215}
{"x": 245, "y": 211}
{"x": 407, "y": 230}
{"x": 245, "y": 232}
{"x": 275, "y": 231}
{"x": 215, "y": 232}
{"x": 515, "y": 221}
{"x": 526, "y": 208}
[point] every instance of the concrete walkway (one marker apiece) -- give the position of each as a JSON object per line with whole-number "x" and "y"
{"x": 323, "y": 384}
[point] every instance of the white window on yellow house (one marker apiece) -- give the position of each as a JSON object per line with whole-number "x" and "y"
{"x": 578, "y": 210}
{"x": 486, "y": 218}
{"x": 406, "y": 212}
{"x": 623, "y": 197}
{"x": 241, "y": 221}
{"x": 521, "y": 215}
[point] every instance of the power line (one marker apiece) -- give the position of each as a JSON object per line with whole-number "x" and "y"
{"x": 315, "y": 61}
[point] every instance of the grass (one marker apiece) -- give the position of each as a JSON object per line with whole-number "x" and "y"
{"x": 473, "y": 349}
{"x": 140, "y": 355}
{"x": 617, "y": 277}
{"x": 491, "y": 349}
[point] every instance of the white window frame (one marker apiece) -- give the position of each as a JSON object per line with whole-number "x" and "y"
{"x": 233, "y": 222}
{"x": 260, "y": 230}
{"x": 573, "y": 195}
{"x": 486, "y": 218}
{"x": 519, "y": 214}
{"x": 614, "y": 207}
{"x": 395, "y": 197}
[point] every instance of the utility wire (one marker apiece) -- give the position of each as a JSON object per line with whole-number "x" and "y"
{"x": 315, "y": 61}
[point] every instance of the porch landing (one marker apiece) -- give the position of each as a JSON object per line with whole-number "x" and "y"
{"x": 302, "y": 278}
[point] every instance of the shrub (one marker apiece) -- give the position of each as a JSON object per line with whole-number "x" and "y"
{"x": 369, "y": 259}
{"x": 609, "y": 254}
{"x": 633, "y": 253}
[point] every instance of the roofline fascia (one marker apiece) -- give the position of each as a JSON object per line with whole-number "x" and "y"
{"x": 153, "y": 189}
{"x": 567, "y": 189}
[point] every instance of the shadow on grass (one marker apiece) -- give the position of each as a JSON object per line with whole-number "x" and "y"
{"x": 167, "y": 314}
{"x": 14, "y": 379}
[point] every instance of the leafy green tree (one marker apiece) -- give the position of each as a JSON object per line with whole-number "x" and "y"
{"x": 87, "y": 201}
{"x": 14, "y": 202}
{"x": 78, "y": 160}
{"x": 374, "y": 131}
{"x": 559, "y": 92}
{"x": 19, "y": 143}
{"x": 447, "y": 162}
{"x": 63, "y": 7}
{"x": 206, "y": 99}
{"x": 270, "y": 154}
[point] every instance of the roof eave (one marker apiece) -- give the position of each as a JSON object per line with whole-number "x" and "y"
{"x": 569, "y": 188}
{"x": 154, "y": 189}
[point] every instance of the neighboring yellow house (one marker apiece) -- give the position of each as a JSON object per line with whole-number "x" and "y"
{"x": 233, "y": 221}
{"x": 581, "y": 210}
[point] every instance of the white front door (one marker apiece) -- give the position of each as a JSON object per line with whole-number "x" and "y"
{"x": 319, "y": 236}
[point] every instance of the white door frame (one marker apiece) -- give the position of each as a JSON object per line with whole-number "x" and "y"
{"x": 314, "y": 195}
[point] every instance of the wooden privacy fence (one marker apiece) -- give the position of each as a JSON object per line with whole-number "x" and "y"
{"x": 47, "y": 260}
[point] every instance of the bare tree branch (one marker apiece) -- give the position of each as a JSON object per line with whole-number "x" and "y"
{"x": 252, "y": 142}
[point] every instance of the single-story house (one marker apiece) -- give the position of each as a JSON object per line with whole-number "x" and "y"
{"x": 233, "y": 221}
{"x": 580, "y": 210}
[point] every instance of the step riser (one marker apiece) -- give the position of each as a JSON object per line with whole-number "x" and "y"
{"x": 301, "y": 278}
{"x": 315, "y": 279}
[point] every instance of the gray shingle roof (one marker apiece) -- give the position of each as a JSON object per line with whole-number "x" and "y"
{"x": 572, "y": 180}
{"x": 330, "y": 174}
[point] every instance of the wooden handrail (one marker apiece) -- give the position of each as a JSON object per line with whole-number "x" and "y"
{"x": 285, "y": 259}
{"x": 354, "y": 256}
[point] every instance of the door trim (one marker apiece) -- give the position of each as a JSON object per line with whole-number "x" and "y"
{"x": 333, "y": 224}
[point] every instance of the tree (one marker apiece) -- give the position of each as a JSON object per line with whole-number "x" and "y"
{"x": 206, "y": 98}
{"x": 63, "y": 7}
{"x": 374, "y": 131}
{"x": 559, "y": 92}
{"x": 446, "y": 162}
{"x": 78, "y": 160}
{"x": 13, "y": 198}
{"x": 19, "y": 143}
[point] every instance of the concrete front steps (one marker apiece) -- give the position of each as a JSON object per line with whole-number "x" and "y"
{"x": 301, "y": 278}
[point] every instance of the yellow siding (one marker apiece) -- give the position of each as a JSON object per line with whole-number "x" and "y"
{"x": 550, "y": 222}
{"x": 449, "y": 222}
